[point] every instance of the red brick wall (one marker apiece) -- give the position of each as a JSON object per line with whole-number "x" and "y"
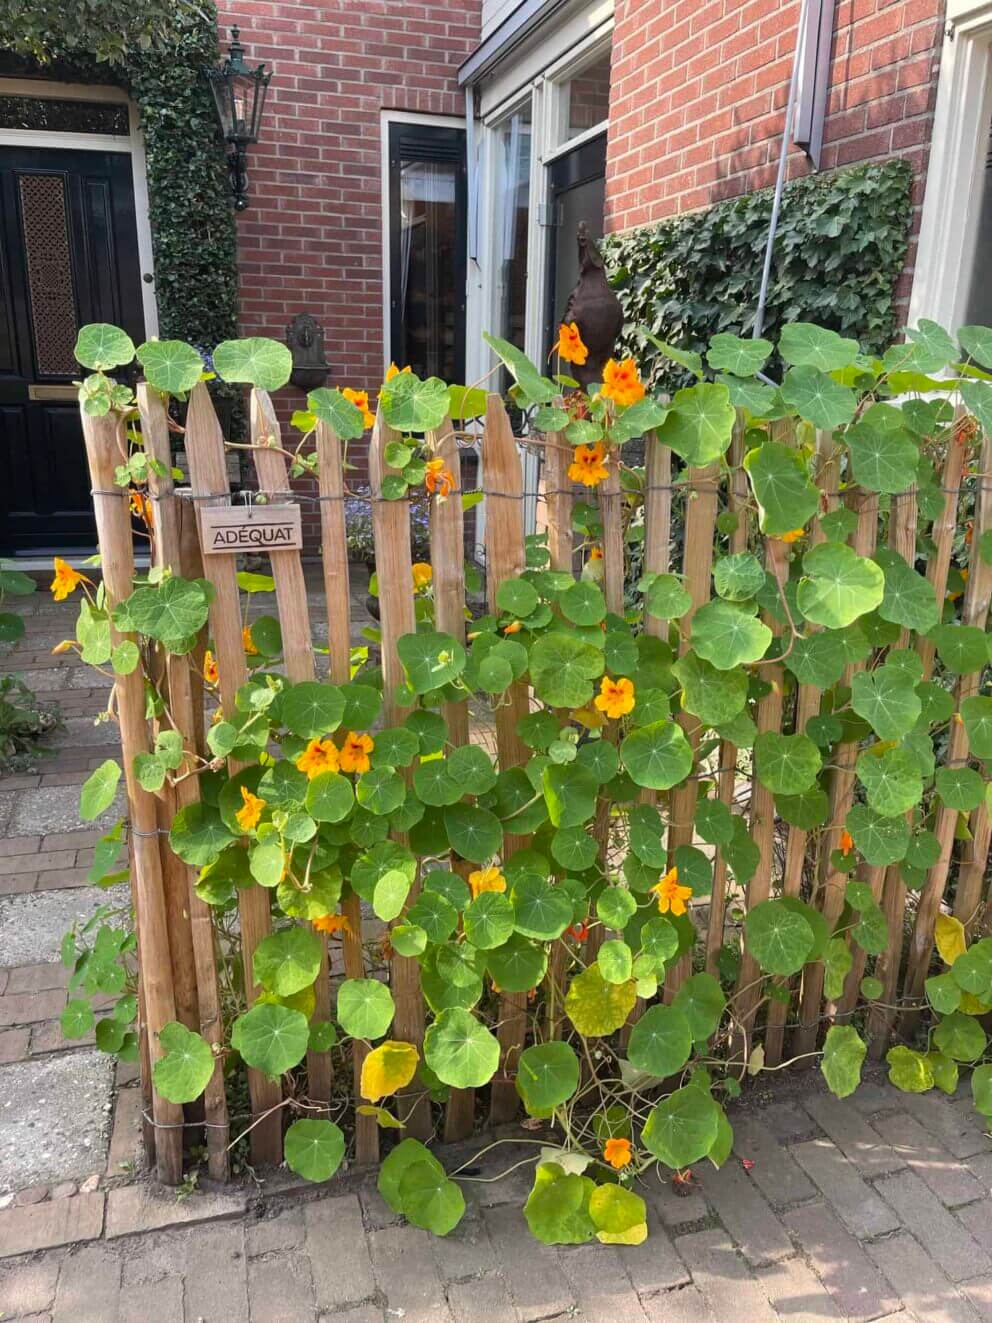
{"x": 699, "y": 90}
{"x": 311, "y": 240}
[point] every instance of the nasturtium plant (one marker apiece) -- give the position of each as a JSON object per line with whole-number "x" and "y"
{"x": 552, "y": 894}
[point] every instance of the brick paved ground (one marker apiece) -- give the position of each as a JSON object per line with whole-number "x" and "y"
{"x": 878, "y": 1207}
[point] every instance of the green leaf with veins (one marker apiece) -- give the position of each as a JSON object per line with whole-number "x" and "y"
{"x": 729, "y": 636}
{"x": 786, "y": 498}
{"x": 839, "y": 585}
{"x": 818, "y": 398}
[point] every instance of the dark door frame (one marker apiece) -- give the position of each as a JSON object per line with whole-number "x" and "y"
{"x": 582, "y": 164}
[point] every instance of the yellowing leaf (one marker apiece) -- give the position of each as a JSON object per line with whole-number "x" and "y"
{"x": 951, "y": 941}
{"x": 383, "y": 1118}
{"x": 636, "y": 1235}
{"x": 972, "y": 1005}
{"x": 387, "y": 1068}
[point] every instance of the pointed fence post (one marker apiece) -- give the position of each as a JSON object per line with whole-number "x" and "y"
{"x": 113, "y": 524}
{"x": 208, "y": 478}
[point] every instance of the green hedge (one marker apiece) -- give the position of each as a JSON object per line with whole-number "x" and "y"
{"x": 839, "y": 250}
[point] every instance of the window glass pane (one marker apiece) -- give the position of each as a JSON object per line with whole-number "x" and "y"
{"x": 513, "y": 204}
{"x": 587, "y": 99}
{"x": 980, "y": 295}
{"x": 429, "y": 298}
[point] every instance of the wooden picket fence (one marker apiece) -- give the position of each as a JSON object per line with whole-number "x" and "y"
{"x": 176, "y": 939}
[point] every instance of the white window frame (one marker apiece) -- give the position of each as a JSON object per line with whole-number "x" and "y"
{"x": 133, "y": 144}
{"x": 945, "y": 256}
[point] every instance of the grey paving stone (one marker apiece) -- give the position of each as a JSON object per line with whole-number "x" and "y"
{"x": 860, "y": 1144}
{"x": 65, "y": 1139}
{"x": 13, "y": 1044}
{"x": 722, "y": 1277}
{"x": 796, "y": 1293}
{"x": 43, "y": 1226}
{"x": 979, "y": 1293}
{"x": 977, "y": 1219}
{"x": 28, "y": 1287}
{"x": 480, "y": 1301}
{"x": 600, "y": 1282}
{"x": 37, "y": 978}
{"x": 280, "y": 1290}
{"x": 89, "y": 1286}
{"x": 675, "y": 1210}
{"x": 937, "y": 1230}
{"x": 464, "y": 1252}
{"x": 376, "y": 1211}
{"x": 537, "y": 1284}
{"x": 216, "y": 1275}
{"x": 775, "y": 1170}
{"x": 32, "y": 926}
{"x": 56, "y": 808}
{"x": 339, "y": 1253}
{"x": 857, "y": 1205}
{"x": 786, "y": 1121}
{"x": 980, "y": 1167}
{"x": 947, "y": 1176}
{"x": 683, "y": 1305}
{"x": 926, "y": 1290}
{"x": 161, "y": 1301}
{"x": 359, "y": 1314}
{"x": 148, "y": 1259}
{"x": 858, "y": 1289}
{"x": 958, "y": 1128}
{"x": 746, "y": 1214}
{"x": 654, "y": 1266}
{"x": 271, "y": 1235}
{"x": 406, "y": 1275}
{"x": 136, "y": 1208}
{"x": 30, "y": 1007}
{"x": 873, "y": 1096}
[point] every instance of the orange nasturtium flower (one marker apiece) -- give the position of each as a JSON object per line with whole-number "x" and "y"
{"x": 569, "y": 344}
{"x": 438, "y": 479}
{"x": 671, "y": 897}
{"x": 394, "y": 371}
{"x": 360, "y": 399}
{"x": 319, "y": 756}
{"x": 514, "y": 627}
{"x": 846, "y": 842}
{"x": 486, "y": 879}
{"x": 210, "y": 672}
{"x": 249, "y": 816}
{"x": 355, "y": 752}
{"x": 587, "y": 465}
{"x": 615, "y": 697}
{"x": 793, "y": 535}
{"x": 141, "y": 506}
{"x": 595, "y": 553}
{"x": 332, "y": 923}
{"x": 66, "y": 580}
{"x": 248, "y": 643}
{"x": 617, "y": 1153}
{"x": 622, "y": 382}
{"x": 422, "y": 575}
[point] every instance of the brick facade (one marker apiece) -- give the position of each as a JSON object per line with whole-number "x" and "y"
{"x": 699, "y": 92}
{"x": 311, "y": 240}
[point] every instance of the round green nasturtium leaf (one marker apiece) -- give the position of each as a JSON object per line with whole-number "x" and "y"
{"x": 871, "y": 988}
{"x": 909, "y": 599}
{"x": 786, "y": 498}
{"x": 738, "y": 577}
{"x": 838, "y": 961}
{"x": 409, "y": 939}
{"x": 569, "y": 792}
{"x": 972, "y": 970}
{"x": 887, "y": 699}
{"x": 255, "y": 360}
{"x": 98, "y": 791}
{"x": 616, "y": 961}
{"x": 540, "y": 910}
{"x": 380, "y": 790}
{"x": 804, "y": 343}
{"x": 786, "y": 764}
{"x": 981, "y": 1089}
{"x": 806, "y": 811}
{"x": 460, "y": 1050}
{"x": 77, "y": 1018}
{"x": 976, "y": 713}
{"x": 778, "y": 938}
{"x": 311, "y": 709}
{"x": 596, "y": 1007}
{"x": 518, "y": 965}
{"x": 713, "y": 821}
{"x": 699, "y": 423}
{"x": 287, "y": 961}
{"x": 198, "y": 834}
{"x": 488, "y": 920}
{"x": 435, "y": 786}
{"x": 271, "y": 1037}
{"x": 390, "y": 894}
{"x": 884, "y": 457}
{"x": 729, "y": 636}
{"x": 891, "y": 780}
{"x": 323, "y": 1036}
{"x": 657, "y": 756}
{"x": 430, "y": 1199}
{"x": 395, "y": 747}
{"x": 882, "y": 841}
{"x": 471, "y": 768}
{"x": 960, "y": 787}
{"x": 700, "y": 999}
{"x": 314, "y": 1149}
{"x": 820, "y": 658}
{"x": 844, "y": 1051}
{"x": 839, "y": 585}
{"x": 583, "y": 603}
{"x": 170, "y": 365}
{"x": 659, "y": 939}
{"x": 743, "y": 358}
{"x": 574, "y": 848}
{"x": 665, "y": 598}
{"x": 365, "y": 1007}
{"x": 517, "y": 597}
{"x": 103, "y": 347}
{"x": 908, "y": 1070}
{"x": 395, "y": 1165}
{"x": 960, "y": 1037}
{"x": 186, "y": 1065}
{"x": 619, "y": 1215}
{"x": 454, "y": 889}
{"x": 816, "y": 397}
{"x": 329, "y": 797}
{"x": 557, "y": 1208}
{"x": 944, "y": 992}
{"x": 341, "y": 415}
{"x": 660, "y": 1042}
{"x": 695, "y": 869}
{"x": 430, "y": 659}
{"x": 562, "y": 669}
{"x": 716, "y": 697}
{"x": 547, "y": 1076}
{"x": 683, "y": 1127}
{"x": 474, "y": 833}
{"x": 435, "y": 914}
{"x": 361, "y": 706}
{"x": 615, "y": 907}
{"x": 962, "y": 649}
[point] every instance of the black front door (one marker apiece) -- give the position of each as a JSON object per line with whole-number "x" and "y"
{"x": 578, "y": 192}
{"x": 68, "y": 256}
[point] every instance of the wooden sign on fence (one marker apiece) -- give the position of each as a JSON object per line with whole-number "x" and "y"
{"x": 251, "y": 528}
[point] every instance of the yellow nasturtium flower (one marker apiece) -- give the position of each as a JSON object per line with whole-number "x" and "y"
{"x": 250, "y": 814}
{"x": 355, "y": 752}
{"x": 66, "y": 580}
{"x": 671, "y": 896}
{"x": 486, "y": 879}
{"x": 615, "y": 697}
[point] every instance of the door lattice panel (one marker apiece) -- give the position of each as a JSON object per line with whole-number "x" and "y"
{"x": 45, "y": 218}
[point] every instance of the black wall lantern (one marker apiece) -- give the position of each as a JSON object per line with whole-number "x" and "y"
{"x": 239, "y": 91}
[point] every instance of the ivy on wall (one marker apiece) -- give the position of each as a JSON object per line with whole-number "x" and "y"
{"x": 839, "y": 250}
{"x": 161, "y": 60}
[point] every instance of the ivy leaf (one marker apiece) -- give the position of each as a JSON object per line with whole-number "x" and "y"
{"x": 699, "y": 423}
{"x": 818, "y": 398}
{"x": 103, "y": 347}
{"x": 186, "y": 1065}
{"x": 887, "y": 699}
{"x": 729, "y": 636}
{"x": 342, "y": 416}
{"x": 729, "y": 353}
{"x": 314, "y": 1149}
{"x": 411, "y": 405}
{"x": 255, "y": 360}
{"x": 844, "y": 1051}
{"x": 786, "y": 497}
{"x": 171, "y": 366}
{"x": 98, "y": 790}
{"x": 786, "y": 764}
{"x": 460, "y": 1050}
{"x": 839, "y": 585}
{"x": 909, "y": 599}
{"x": 803, "y": 344}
